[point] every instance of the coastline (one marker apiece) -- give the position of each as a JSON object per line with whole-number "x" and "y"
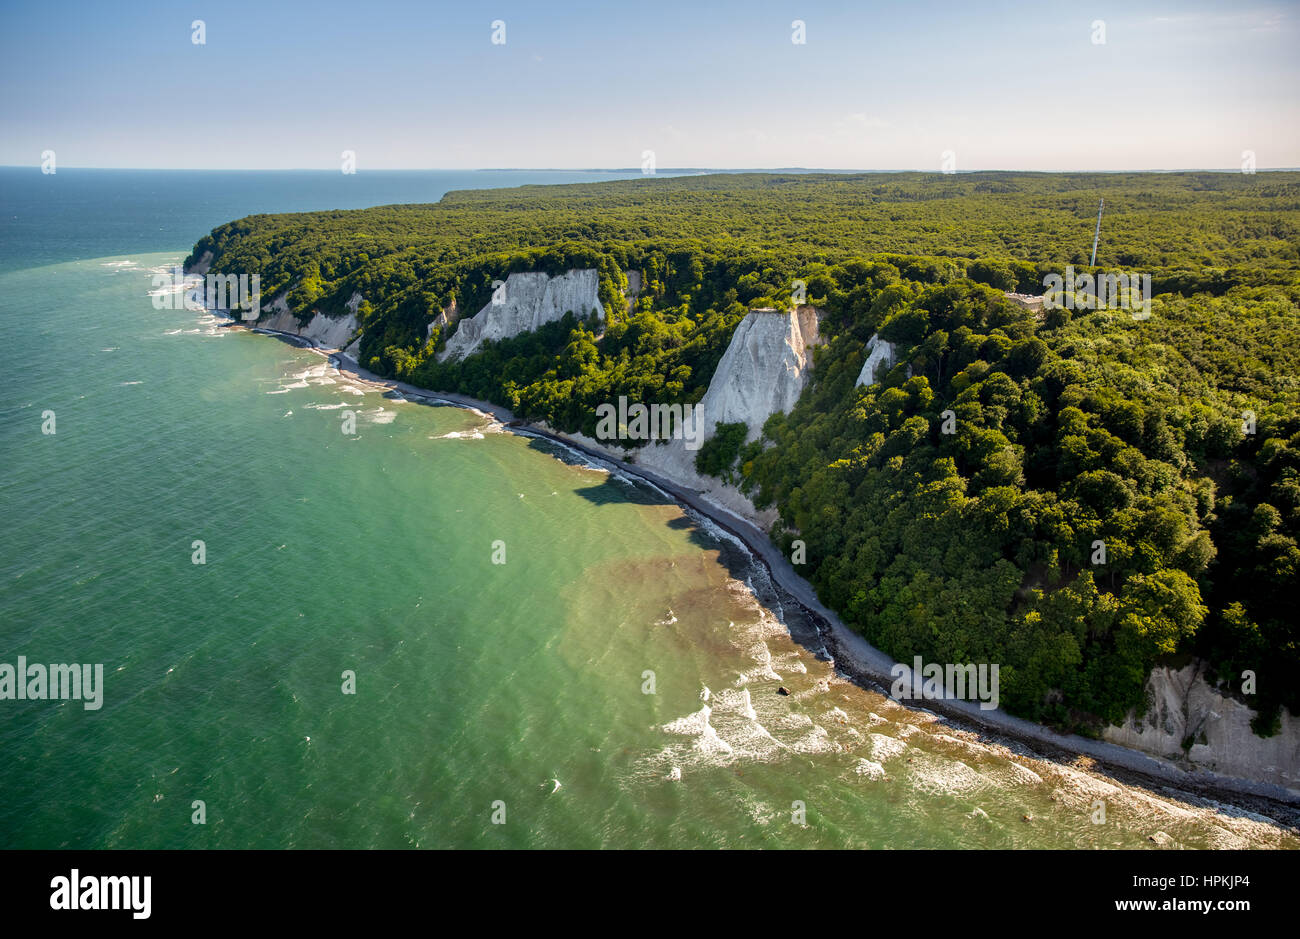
{"x": 852, "y": 654}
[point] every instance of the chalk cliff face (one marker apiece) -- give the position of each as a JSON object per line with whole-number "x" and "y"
{"x": 528, "y": 301}
{"x": 764, "y": 369}
{"x": 444, "y": 319}
{"x": 322, "y": 331}
{"x": 1182, "y": 705}
{"x": 880, "y": 358}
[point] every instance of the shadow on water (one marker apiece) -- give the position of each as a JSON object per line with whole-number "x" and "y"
{"x": 738, "y": 562}
{"x": 805, "y": 628}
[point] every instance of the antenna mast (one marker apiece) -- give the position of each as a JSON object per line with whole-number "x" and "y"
{"x": 1097, "y": 234}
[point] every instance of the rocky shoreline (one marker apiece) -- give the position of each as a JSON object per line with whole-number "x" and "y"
{"x": 853, "y": 656}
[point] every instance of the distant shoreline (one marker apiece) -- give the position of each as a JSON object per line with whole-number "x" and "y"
{"x": 853, "y": 655}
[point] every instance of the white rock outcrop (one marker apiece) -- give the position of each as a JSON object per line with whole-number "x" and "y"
{"x": 324, "y": 332}
{"x": 764, "y": 369}
{"x": 281, "y": 318}
{"x": 448, "y": 315}
{"x": 526, "y": 302}
{"x": 880, "y": 358}
{"x": 329, "y": 332}
{"x": 1181, "y": 705}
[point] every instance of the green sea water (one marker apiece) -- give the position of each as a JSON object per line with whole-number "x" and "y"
{"x": 613, "y": 683}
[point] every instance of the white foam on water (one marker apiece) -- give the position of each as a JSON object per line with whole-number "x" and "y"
{"x": 765, "y": 623}
{"x": 458, "y": 435}
{"x": 380, "y": 416}
{"x": 691, "y": 725}
{"x": 738, "y": 701}
{"x": 760, "y": 653}
{"x": 793, "y": 721}
{"x": 885, "y": 748}
{"x": 936, "y": 775}
{"x": 1220, "y": 839}
{"x": 712, "y": 528}
{"x": 180, "y": 287}
{"x": 709, "y": 743}
{"x": 741, "y": 725}
{"x": 313, "y": 372}
{"x": 815, "y": 741}
{"x": 1161, "y": 806}
{"x": 727, "y": 731}
{"x": 790, "y": 663}
{"x": 1014, "y": 774}
{"x": 870, "y": 769}
{"x": 752, "y": 741}
{"x": 1078, "y": 788}
{"x": 588, "y": 462}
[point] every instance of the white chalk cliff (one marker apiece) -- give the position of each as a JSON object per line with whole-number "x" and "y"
{"x": 1182, "y": 705}
{"x": 444, "y": 319}
{"x": 527, "y": 302}
{"x": 880, "y": 358}
{"x": 766, "y": 367}
{"x": 324, "y": 332}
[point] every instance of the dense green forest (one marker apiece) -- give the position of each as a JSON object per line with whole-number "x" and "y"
{"x": 1071, "y": 430}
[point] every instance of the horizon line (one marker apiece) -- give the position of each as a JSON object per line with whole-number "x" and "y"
{"x": 634, "y": 169}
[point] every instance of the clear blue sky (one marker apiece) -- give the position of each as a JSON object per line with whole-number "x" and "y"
{"x": 1005, "y": 85}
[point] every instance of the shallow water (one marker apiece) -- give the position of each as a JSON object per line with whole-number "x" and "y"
{"x": 515, "y": 689}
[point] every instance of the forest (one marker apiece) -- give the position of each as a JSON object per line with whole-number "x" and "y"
{"x": 1113, "y": 493}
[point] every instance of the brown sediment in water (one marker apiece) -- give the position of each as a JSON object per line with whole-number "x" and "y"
{"x": 862, "y": 663}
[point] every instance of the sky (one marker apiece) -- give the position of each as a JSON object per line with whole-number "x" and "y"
{"x": 422, "y": 85}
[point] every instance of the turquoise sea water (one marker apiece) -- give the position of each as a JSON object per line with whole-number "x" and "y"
{"x": 483, "y": 689}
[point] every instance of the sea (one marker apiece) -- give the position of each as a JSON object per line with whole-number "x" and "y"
{"x": 429, "y": 633}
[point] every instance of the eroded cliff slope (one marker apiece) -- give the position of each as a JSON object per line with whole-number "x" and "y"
{"x": 524, "y": 303}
